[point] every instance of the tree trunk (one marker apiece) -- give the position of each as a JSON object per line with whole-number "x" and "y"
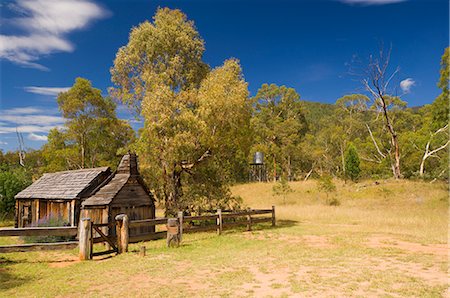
{"x": 394, "y": 141}
{"x": 82, "y": 150}
{"x": 171, "y": 202}
{"x": 274, "y": 169}
{"x": 289, "y": 168}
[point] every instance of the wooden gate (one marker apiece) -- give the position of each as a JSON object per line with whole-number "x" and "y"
{"x": 110, "y": 239}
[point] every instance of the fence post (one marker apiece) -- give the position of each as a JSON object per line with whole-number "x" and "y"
{"x": 180, "y": 221}
{"x": 122, "y": 233}
{"x": 142, "y": 251}
{"x": 219, "y": 221}
{"x": 84, "y": 238}
{"x": 273, "y": 216}
{"x": 249, "y": 222}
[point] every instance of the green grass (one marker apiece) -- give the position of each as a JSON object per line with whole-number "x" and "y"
{"x": 315, "y": 250}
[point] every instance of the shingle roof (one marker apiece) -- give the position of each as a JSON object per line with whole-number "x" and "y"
{"x": 107, "y": 193}
{"x": 64, "y": 185}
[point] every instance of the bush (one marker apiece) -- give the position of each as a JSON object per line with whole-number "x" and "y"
{"x": 11, "y": 183}
{"x": 333, "y": 202}
{"x": 352, "y": 169}
{"x": 282, "y": 188}
{"x": 325, "y": 184}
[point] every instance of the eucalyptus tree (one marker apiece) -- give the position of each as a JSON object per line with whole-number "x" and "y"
{"x": 92, "y": 134}
{"x": 279, "y": 124}
{"x": 193, "y": 117}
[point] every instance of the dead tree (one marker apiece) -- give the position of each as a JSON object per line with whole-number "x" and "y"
{"x": 377, "y": 84}
{"x": 429, "y": 153}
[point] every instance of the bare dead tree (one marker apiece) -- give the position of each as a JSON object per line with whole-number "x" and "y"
{"x": 377, "y": 83}
{"x": 429, "y": 153}
{"x": 21, "y": 148}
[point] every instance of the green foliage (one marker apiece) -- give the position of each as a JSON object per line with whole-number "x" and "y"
{"x": 282, "y": 188}
{"x": 11, "y": 183}
{"x": 279, "y": 125}
{"x": 94, "y": 134}
{"x": 325, "y": 184}
{"x": 440, "y": 107}
{"x": 197, "y": 120}
{"x": 352, "y": 169}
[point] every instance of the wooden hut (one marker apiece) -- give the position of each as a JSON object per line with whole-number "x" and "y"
{"x": 123, "y": 192}
{"x": 95, "y": 193}
{"x": 57, "y": 197}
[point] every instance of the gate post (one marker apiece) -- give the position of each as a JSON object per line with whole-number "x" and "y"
{"x": 273, "y": 216}
{"x": 84, "y": 238}
{"x": 122, "y": 233}
{"x": 180, "y": 219}
{"x": 219, "y": 221}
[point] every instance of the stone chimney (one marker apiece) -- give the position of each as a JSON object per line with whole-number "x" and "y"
{"x": 128, "y": 165}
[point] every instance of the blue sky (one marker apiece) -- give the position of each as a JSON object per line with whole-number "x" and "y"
{"x": 308, "y": 45}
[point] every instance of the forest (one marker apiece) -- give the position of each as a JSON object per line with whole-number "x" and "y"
{"x": 201, "y": 126}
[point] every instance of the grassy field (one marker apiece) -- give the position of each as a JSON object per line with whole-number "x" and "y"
{"x": 386, "y": 239}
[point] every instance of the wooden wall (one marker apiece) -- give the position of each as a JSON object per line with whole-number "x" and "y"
{"x": 35, "y": 212}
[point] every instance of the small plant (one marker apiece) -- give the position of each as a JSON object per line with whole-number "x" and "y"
{"x": 282, "y": 188}
{"x": 51, "y": 222}
{"x": 333, "y": 201}
{"x": 325, "y": 184}
{"x": 352, "y": 169}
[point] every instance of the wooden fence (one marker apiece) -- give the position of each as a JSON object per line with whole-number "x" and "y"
{"x": 118, "y": 241}
{"x": 39, "y": 231}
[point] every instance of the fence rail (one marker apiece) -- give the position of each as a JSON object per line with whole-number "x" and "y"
{"x": 39, "y": 231}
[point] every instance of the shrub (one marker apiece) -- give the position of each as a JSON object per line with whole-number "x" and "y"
{"x": 325, "y": 184}
{"x": 282, "y": 188}
{"x": 51, "y": 222}
{"x": 352, "y": 169}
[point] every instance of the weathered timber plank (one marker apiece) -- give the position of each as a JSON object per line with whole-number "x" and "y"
{"x": 200, "y": 217}
{"x": 148, "y": 237}
{"x": 38, "y": 246}
{"x": 148, "y": 222}
{"x": 40, "y": 231}
{"x": 101, "y": 253}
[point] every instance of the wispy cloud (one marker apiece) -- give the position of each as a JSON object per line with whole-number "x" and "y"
{"x": 35, "y": 137}
{"x": 407, "y": 84}
{"x": 30, "y": 120}
{"x": 46, "y": 90}
{"x": 371, "y": 2}
{"x": 45, "y": 25}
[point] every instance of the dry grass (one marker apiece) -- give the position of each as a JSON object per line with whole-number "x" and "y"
{"x": 418, "y": 210}
{"x": 383, "y": 240}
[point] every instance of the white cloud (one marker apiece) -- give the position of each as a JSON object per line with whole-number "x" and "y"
{"x": 30, "y": 120}
{"x": 45, "y": 24}
{"x": 407, "y": 84}
{"x": 371, "y": 2}
{"x": 35, "y": 137}
{"x": 3, "y": 143}
{"x": 46, "y": 90}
